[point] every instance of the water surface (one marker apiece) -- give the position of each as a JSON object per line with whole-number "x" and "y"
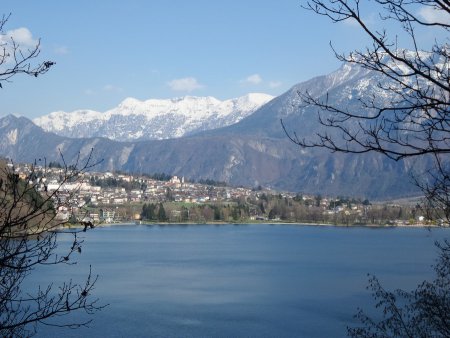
{"x": 240, "y": 280}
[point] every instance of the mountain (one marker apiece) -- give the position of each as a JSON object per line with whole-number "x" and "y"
{"x": 255, "y": 151}
{"x": 153, "y": 119}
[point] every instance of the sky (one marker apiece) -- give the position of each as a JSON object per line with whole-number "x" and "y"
{"x": 106, "y": 51}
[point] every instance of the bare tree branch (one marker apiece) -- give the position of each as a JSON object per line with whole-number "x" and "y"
{"x": 29, "y": 227}
{"x": 30, "y": 224}
{"x": 415, "y": 119}
{"x": 414, "y": 122}
{"x": 16, "y": 59}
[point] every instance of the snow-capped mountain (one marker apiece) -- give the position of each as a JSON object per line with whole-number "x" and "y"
{"x": 153, "y": 119}
{"x": 255, "y": 151}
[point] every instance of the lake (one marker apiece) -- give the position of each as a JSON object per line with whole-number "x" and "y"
{"x": 257, "y": 280}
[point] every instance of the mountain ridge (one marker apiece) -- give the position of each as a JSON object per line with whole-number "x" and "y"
{"x": 152, "y": 119}
{"x": 255, "y": 151}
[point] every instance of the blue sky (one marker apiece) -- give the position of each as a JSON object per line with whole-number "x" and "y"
{"x": 106, "y": 51}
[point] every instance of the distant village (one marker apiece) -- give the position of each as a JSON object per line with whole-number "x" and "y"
{"x": 105, "y": 197}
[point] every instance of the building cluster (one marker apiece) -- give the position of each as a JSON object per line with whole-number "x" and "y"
{"x": 74, "y": 193}
{"x": 103, "y": 197}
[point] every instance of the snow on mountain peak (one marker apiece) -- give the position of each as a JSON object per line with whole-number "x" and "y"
{"x": 153, "y": 119}
{"x": 59, "y": 120}
{"x": 129, "y": 102}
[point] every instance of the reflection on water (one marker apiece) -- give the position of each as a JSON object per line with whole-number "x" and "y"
{"x": 240, "y": 281}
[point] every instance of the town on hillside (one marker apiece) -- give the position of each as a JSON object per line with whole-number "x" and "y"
{"x": 105, "y": 197}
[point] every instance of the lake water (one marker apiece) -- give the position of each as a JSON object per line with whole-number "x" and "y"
{"x": 240, "y": 280}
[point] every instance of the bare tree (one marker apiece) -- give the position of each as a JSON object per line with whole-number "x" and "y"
{"x": 16, "y": 59}
{"x": 29, "y": 227}
{"x": 415, "y": 121}
{"x": 423, "y": 312}
{"x": 30, "y": 224}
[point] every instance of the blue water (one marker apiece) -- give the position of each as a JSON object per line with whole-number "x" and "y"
{"x": 240, "y": 280}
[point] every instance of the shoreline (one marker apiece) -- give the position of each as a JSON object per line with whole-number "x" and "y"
{"x": 374, "y": 226}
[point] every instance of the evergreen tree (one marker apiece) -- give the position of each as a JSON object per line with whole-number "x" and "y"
{"x": 217, "y": 216}
{"x": 261, "y": 207}
{"x": 273, "y": 213}
{"x": 235, "y": 213}
{"x": 161, "y": 213}
{"x": 148, "y": 211}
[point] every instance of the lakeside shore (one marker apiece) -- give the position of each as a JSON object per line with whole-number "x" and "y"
{"x": 101, "y": 225}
